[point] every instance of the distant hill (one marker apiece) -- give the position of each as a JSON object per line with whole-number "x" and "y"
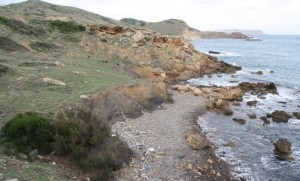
{"x": 180, "y": 28}
{"x": 36, "y": 9}
{"x": 246, "y": 32}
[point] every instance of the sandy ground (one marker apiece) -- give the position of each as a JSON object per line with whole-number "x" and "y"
{"x": 161, "y": 151}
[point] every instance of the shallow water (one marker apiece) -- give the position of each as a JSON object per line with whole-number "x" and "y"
{"x": 252, "y": 157}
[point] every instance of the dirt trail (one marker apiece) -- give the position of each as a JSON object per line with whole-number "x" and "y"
{"x": 161, "y": 150}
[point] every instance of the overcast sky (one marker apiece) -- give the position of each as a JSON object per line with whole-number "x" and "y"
{"x": 271, "y": 16}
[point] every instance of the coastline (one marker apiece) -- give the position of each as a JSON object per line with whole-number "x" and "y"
{"x": 161, "y": 151}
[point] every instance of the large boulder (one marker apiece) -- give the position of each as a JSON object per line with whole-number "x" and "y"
{"x": 138, "y": 38}
{"x": 280, "y": 116}
{"x": 282, "y": 149}
{"x": 196, "y": 141}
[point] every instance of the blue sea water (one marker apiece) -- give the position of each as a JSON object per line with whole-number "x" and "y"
{"x": 278, "y": 57}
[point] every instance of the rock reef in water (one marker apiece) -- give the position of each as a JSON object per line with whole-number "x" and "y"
{"x": 282, "y": 149}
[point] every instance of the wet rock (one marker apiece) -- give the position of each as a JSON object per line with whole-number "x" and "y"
{"x": 251, "y": 103}
{"x": 214, "y": 52}
{"x": 239, "y": 120}
{"x": 236, "y": 104}
{"x": 280, "y": 116}
{"x": 252, "y": 116}
{"x": 282, "y": 149}
{"x": 265, "y": 120}
{"x": 220, "y": 105}
{"x": 297, "y": 114}
{"x": 259, "y": 88}
{"x": 271, "y": 71}
{"x": 259, "y": 72}
{"x": 196, "y": 141}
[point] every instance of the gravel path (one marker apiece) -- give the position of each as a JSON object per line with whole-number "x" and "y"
{"x": 161, "y": 152}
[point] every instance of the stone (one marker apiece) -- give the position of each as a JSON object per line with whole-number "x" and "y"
{"x": 297, "y": 114}
{"x": 259, "y": 72}
{"x": 239, "y": 120}
{"x": 280, "y": 116}
{"x": 84, "y": 97}
{"x": 59, "y": 64}
{"x": 138, "y": 38}
{"x": 251, "y": 103}
{"x": 252, "y": 116}
{"x": 54, "y": 82}
{"x": 196, "y": 141}
{"x": 265, "y": 120}
{"x": 282, "y": 149}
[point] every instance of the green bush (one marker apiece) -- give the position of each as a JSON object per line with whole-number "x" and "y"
{"x": 71, "y": 38}
{"x": 73, "y": 135}
{"x": 43, "y": 46}
{"x": 9, "y": 45}
{"x": 66, "y": 27}
{"x": 27, "y": 132}
{"x": 3, "y": 69}
{"x": 22, "y": 28}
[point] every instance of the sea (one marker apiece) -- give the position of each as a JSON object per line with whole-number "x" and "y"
{"x": 278, "y": 58}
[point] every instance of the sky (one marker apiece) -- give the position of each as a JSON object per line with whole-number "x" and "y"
{"x": 271, "y": 16}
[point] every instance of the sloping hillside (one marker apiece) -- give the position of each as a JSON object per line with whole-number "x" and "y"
{"x": 36, "y": 9}
{"x": 174, "y": 27}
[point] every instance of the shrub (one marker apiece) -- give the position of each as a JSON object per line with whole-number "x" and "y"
{"x": 73, "y": 135}
{"x": 22, "y": 28}
{"x": 9, "y": 45}
{"x": 66, "y": 27}
{"x": 3, "y": 69}
{"x": 27, "y": 132}
{"x": 43, "y": 46}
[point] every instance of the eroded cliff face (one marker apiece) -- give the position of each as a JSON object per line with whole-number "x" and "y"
{"x": 149, "y": 54}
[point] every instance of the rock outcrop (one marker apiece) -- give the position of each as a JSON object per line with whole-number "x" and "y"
{"x": 259, "y": 88}
{"x": 168, "y": 58}
{"x": 280, "y": 116}
{"x": 282, "y": 149}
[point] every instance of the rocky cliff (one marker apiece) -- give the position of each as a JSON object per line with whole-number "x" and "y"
{"x": 149, "y": 54}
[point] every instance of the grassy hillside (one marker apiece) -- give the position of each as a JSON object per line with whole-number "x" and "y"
{"x": 171, "y": 27}
{"x": 36, "y": 9}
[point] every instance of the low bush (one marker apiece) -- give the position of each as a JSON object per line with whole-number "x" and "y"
{"x": 73, "y": 135}
{"x": 27, "y": 132}
{"x": 66, "y": 26}
{"x": 22, "y": 28}
{"x": 9, "y": 45}
{"x": 3, "y": 69}
{"x": 43, "y": 46}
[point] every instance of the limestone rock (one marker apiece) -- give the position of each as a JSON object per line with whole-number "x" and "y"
{"x": 54, "y": 82}
{"x": 138, "y": 38}
{"x": 196, "y": 141}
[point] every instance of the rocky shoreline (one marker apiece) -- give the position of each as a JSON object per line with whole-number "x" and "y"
{"x": 168, "y": 144}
